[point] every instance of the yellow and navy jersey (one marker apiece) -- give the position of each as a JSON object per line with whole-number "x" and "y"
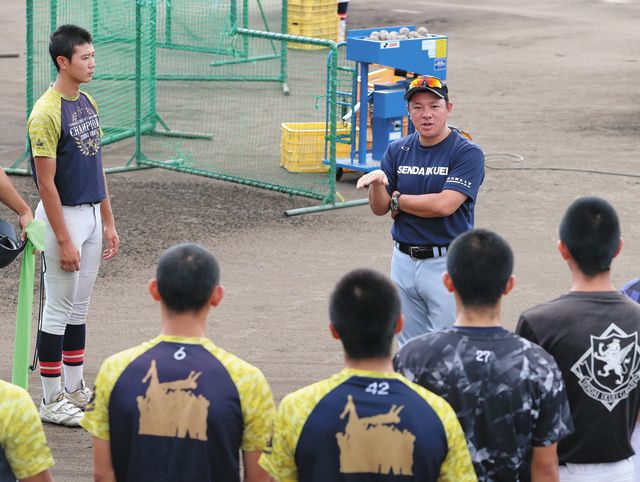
{"x": 177, "y": 408}
{"x": 23, "y": 446}
{"x": 68, "y": 130}
{"x": 362, "y": 426}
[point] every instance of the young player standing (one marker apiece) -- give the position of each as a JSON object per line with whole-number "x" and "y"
{"x": 366, "y": 423}
{"x": 593, "y": 332}
{"x": 507, "y": 392}
{"x": 64, "y": 132}
{"x": 178, "y": 407}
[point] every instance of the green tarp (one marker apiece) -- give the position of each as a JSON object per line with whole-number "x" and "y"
{"x": 35, "y": 241}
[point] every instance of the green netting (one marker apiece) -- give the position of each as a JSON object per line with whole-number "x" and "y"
{"x": 199, "y": 86}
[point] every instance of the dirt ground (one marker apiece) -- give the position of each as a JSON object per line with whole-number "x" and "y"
{"x": 552, "y": 82}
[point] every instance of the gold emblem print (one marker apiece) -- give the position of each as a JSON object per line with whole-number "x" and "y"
{"x": 85, "y": 129}
{"x": 373, "y": 444}
{"x": 170, "y": 409}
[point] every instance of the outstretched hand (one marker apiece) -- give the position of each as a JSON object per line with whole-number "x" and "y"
{"x": 374, "y": 177}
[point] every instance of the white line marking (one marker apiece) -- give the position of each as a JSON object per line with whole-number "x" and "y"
{"x": 412, "y": 12}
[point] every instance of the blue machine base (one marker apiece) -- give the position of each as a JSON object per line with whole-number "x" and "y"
{"x": 355, "y": 165}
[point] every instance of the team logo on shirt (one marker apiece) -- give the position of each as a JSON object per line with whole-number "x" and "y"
{"x": 85, "y": 129}
{"x": 373, "y": 444}
{"x": 610, "y": 369}
{"x": 458, "y": 180}
{"x": 170, "y": 409}
{"x": 424, "y": 171}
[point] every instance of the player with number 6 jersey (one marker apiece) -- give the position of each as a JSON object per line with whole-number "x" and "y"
{"x": 366, "y": 423}
{"x": 178, "y": 407}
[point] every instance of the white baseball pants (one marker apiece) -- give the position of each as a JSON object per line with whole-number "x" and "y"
{"x": 68, "y": 294}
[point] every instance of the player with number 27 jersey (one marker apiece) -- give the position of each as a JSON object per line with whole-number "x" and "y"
{"x": 508, "y": 393}
{"x": 363, "y": 425}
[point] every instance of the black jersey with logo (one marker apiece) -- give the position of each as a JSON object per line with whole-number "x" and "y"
{"x": 594, "y": 337}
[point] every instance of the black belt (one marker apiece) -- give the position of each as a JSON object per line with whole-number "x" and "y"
{"x": 422, "y": 252}
{"x": 90, "y": 203}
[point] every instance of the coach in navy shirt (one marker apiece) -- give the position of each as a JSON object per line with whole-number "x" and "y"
{"x": 429, "y": 181}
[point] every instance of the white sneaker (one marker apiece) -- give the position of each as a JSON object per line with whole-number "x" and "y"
{"x": 79, "y": 397}
{"x": 61, "y": 411}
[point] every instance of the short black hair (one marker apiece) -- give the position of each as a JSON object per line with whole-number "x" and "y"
{"x": 186, "y": 275}
{"x": 364, "y": 309}
{"x": 65, "y": 39}
{"x": 480, "y": 263}
{"x": 590, "y": 230}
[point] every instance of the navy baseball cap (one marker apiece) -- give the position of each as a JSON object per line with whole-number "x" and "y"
{"x": 427, "y": 83}
{"x": 10, "y": 244}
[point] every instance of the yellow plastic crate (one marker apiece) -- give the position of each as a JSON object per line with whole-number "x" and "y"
{"x": 317, "y": 28}
{"x": 312, "y": 3}
{"x": 322, "y": 29}
{"x": 307, "y": 13}
{"x": 302, "y": 146}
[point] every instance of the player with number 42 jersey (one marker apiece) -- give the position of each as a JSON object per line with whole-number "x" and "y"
{"x": 360, "y": 424}
{"x": 366, "y": 423}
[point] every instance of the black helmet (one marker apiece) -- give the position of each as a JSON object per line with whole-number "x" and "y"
{"x": 10, "y": 244}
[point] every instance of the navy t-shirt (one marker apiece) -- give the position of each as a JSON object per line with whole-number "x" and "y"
{"x": 411, "y": 168}
{"x": 68, "y": 130}
{"x": 179, "y": 409}
{"x": 363, "y": 426}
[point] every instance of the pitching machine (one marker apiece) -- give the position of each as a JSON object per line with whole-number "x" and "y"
{"x": 410, "y": 55}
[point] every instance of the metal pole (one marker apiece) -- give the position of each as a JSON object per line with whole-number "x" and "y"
{"x": 284, "y": 47}
{"x": 333, "y": 86}
{"x": 53, "y": 25}
{"x": 29, "y": 58}
{"x": 245, "y": 24}
{"x": 233, "y": 15}
{"x": 29, "y": 87}
{"x": 138, "y": 151}
{"x": 95, "y": 19}
{"x": 168, "y": 12}
{"x": 326, "y": 207}
{"x": 153, "y": 85}
{"x": 364, "y": 112}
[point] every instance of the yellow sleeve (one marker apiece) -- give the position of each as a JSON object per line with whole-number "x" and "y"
{"x": 21, "y": 434}
{"x": 96, "y": 415}
{"x": 258, "y": 410}
{"x": 279, "y": 458}
{"x": 44, "y": 127}
{"x": 457, "y": 466}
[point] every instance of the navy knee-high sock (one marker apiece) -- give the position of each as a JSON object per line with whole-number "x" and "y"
{"x": 50, "y": 358}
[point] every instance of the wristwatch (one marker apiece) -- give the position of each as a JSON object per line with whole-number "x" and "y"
{"x": 395, "y": 202}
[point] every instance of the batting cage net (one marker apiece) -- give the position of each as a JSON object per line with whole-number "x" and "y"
{"x": 210, "y": 87}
